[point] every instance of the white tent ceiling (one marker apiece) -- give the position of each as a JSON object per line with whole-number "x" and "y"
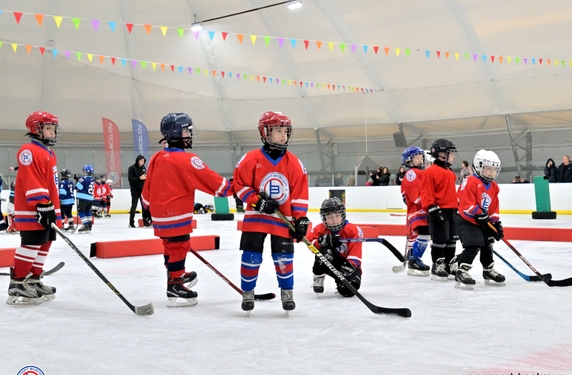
{"x": 407, "y": 88}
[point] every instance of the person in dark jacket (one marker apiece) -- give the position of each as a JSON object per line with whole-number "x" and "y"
{"x": 384, "y": 176}
{"x": 550, "y": 170}
{"x": 137, "y": 174}
{"x": 565, "y": 170}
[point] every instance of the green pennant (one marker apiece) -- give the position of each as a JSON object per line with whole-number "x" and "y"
{"x": 78, "y": 54}
{"x": 342, "y": 46}
{"x": 407, "y": 51}
{"x": 143, "y": 64}
{"x": 466, "y": 56}
{"x": 1, "y": 44}
{"x": 267, "y": 40}
{"x": 181, "y": 31}
{"x": 517, "y": 60}
{"x": 76, "y": 22}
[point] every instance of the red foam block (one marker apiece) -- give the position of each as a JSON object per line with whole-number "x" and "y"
{"x": 126, "y": 248}
{"x": 7, "y": 257}
{"x": 369, "y": 231}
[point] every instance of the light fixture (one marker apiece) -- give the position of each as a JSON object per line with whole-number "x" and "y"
{"x": 292, "y": 4}
{"x": 196, "y": 26}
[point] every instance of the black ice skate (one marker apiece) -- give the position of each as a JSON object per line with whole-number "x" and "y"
{"x": 318, "y": 284}
{"x": 438, "y": 270}
{"x": 492, "y": 277}
{"x": 85, "y": 228}
{"x": 190, "y": 279}
{"x": 287, "y": 296}
{"x": 452, "y": 268}
{"x": 462, "y": 278}
{"x": 48, "y": 292}
{"x": 178, "y": 295}
{"x": 21, "y": 293}
{"x": 416, "y": 267}
{"x": 247, "y": 301}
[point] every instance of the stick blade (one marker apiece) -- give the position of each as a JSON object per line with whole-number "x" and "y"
{"x": 403, "y": 312}
{"x": 148, "y": 309}
{"x": 535, "y": 278}
{"x": 264, "y": 297}
{"x": 565, "y": 282}
{"x": 397, "y": 269}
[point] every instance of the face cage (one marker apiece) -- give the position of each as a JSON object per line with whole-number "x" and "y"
{"x": 479, "y": 171}
{"x": 277, "y": 146}
{"x": 447, "y": 153}
{"x": 40, "y": 134}
{"x": 334, "y": 228}
{"x": 409, "y": 161}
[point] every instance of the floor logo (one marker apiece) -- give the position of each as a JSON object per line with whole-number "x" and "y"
{"x": 30, "y": 370}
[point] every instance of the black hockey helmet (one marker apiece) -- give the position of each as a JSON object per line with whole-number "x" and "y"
{"x": 442, "y": 145}
{"x": 333, "y": 205}
{"x": 65, "y": 173}
{"x": 172, "y": 126}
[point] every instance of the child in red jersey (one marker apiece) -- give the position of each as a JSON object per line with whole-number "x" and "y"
{"x": 413, "y": 158}
{"x": 344, "y": 256}
{"x": 267, "y": 179}
{"x": 37, "y": 207}
{"x": 169, "y": 192}
{"x": 439, "y": 200}
{"x": 107, "y": 194}
{"x": 479, "y": 206}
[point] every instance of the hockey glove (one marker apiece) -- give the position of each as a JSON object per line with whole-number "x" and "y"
{"x": 483, "y": 220}
{"x": 266, "y": 205}
{"x": 46, "y": 215}
{"x": 500, "y": 232}
{"x": 329, "y": 240}
{"x": 300, "y": 227}
{"x": 435, "y": 213}
{"x": 329, "y": 253}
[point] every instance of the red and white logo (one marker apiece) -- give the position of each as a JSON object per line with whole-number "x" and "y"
{"x": 197, "y": 162}
{"x": 26, "y": 157}
{"x": 276, "y": 186}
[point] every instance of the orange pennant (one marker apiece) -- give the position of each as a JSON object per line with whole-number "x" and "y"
{"x": 214, "y": 73}
{"x": 148, "y": 28}
{"x": 101, "y": 58}
{"x": 28, "y": 48}
{"x": 162, "y": 67}
{"x": 240, "y": 37}
{"x": 39, "y": 18}
{"x": 319, "y": 44}
{"x": 386, "y": 49}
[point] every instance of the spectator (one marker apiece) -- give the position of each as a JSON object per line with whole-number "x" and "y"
{"x": 351, "y": 181}
{"x": 466, "y": 171}
{"x": 400, "y": 176}
{"x": 339, "y": 180}
{"x": 322, "y": 180}
{"x": 384, "y": 177}
{"x": 137, "y": 174}
{"x": 565, "y": 170}
{"x": 519, "y": 180}
{"x": 374, "y": 177}
{"x": 550, "y": 171}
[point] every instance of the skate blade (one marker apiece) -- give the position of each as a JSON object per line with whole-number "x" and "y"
{"x": 414, "y": 272}
{"x": 451, "y": 277}
{"x": 460, "y": 285}
{"x": 181, "y": 302}
{"x": 438, "y": 278}
{"x": 493, "y": 283}
{"x": 20, "y": 301}
{"x": 192, "y": 283}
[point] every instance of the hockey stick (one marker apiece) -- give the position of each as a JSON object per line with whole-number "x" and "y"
{"x": 382, "y": 241}
{"x": 139, "y": 310}
{"x": 45, "y": 273}
{"x": 401, "y": 267}
{"x": 259, "y": 297}
{"x": 525, "y": 277}
{"x": 547, "y": 281}
{"x": 404, "y": 312}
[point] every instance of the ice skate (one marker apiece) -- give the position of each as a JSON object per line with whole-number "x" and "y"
{"x": 462, "y": 278}
{"x": 190, "y": 279}
{"x": 318, "y": 284}
{"x": 452, "y": 268}
{"x": 492, "y": 277}
{"x": 107, "y": 215}
{"x": 287, "y": 296}
{"x": 438, "y": 270}
{"x": 20, "y": 292}
{"x": 48, "y": 292}
{"x": 247, "y": 301}
{"x": 85, "y": 228}
{"x": 178, "y": 295}
{"x": 416, "y": 267}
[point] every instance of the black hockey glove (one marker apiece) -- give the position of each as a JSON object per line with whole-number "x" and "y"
{"x": 46, "y": 215}
{"x": 329, "y": 240}
{"x": 300, "y": 228}
{"x": 435, "y": 213}
{"x": 329, "y": 253}
{"x": 347, "y": 270}
{"x": 483, "y": 220}
{"x": 499, "y": 233}
{"x": 266, "y": 205}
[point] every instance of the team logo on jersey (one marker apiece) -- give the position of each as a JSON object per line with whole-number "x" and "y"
{"x": 30, "y": 370}
{"x": 197, "y": 163}
{"x": 241, "y": 159}
{"x": 485, "y": 201}
{"x": 303, "y": 167}
{"x": 276, "y": 186}
{"x": 411, "y": 175}
{"x": 26, "y": 157}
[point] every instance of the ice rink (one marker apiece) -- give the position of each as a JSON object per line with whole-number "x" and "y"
{"x": 524, "y": 327}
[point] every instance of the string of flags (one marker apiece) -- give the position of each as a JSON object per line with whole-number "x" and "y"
{"x": 165, "y": 67}
{"x": 294, "y": 42}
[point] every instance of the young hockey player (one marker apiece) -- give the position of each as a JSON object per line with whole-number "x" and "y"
{"x": 439, "y": 200}
{"x": 67, "y": 198}
{"x": 344, "y": 256}
{"x": 97, "y": 197}
{"x": 413, "y": 159}
{"x": 3, "y": 225}
{"x": 479, "y": 206}
{"x": 267, "y": 179}
{"x": 37, "y": 207}
{"x": 106, "y": 196}
{"x": 84, "y": 187}
{"x": 169, "y": 192}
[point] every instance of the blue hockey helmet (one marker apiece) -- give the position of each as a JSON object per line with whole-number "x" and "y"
{"x": 409, "y": 153}
{"x": 88, "y": 169}
{"x": 172, "y": 126}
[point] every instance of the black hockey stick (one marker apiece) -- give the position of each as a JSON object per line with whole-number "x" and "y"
{"x": 139, "y": 310}
{"x": 404, "y": 312}
{"x": 260, "y": 297}
{"x": 44, "y": 273}
{"x": 525, "y": 277}
{"x": 382, "y": 241}
{"x": 547, "y": 281}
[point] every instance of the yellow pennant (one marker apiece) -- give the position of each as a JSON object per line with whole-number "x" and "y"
{"x": 253, "y": 39}
{"x": 164, "y": 30}
{"x": 14, "y": 46}
{"x": 90, "y": 56}
{"x": 58, "y": 20}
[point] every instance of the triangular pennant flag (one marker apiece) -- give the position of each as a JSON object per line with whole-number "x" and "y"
{"x": 129, "y": 27}
{"x": 58, "y": 20}
{"x": 154, "y": 65}
{"x": 206, "y": 72}
{"x": 198, "y": 71}
{"x": 306, "y": 43}
{"x": 240, "y": 37}
{"x": 148, "y": 28}
{"x": 214, "y": 73}
{"x": 555, "y": 62}
{"x": 270, "y": 79}
{"x": 547, "y": 61}
{"x": 211, "y": 35}
{"x": 42, "y": 50}
{"x": 196, "y": 34}
{"x": 266, "y": 40}
{"x": 492, "y": 59}
{"x": 229, "y": 74}
{"x": 342, "y": 46}
{"x": 90, "y": 56}
{"x": 540, "y": 61}
{"x": 354, "y": 48}
{"x": 295, "y": 83}
{"x": 163, "y": 67}
{"x": 484, "y": 58}
{"x": 78, "y": 54}
{"x": 386, "y": 49}
{"x": 95, "y": 24}
{"x": 318, "y": 44}
{"x": 457, "y": 56}
{"x": 28, "y": 48}
{"x": 525, "y": 60}
{"x": 375, "y": 49}
{"x": 67, "y": 54}
{"x": 237, "y": 75}
{"x": 39, "y": 18}
{"x": 562, "y": 62}
{"x": 181, "y": 31}
{"x": 517, "y": 59}
{"x": 190, "y": 70}
{"x": 300, "y": 83}
{"x": 143, "y": 64}
{"x": 173, "y": 68}
{"x": 18, "y": 16}
{"x": 258, "y": 78}
{"x": 312, "y": 85}
{"x": 508, "y": 59}
{"x": 277, "y": 80}
{"x": 427, "y": 53}
{"x": 222, "y": 73}
{"x": 397, "y": 50}
{"x": 133, "y": 63}
{"x": 224, "y": 34}
{"x": 264, "y": 79}
{"x": 101, "y": 58}
{"x": 76, "y": 22}
{"x": 331, "y": 45}
{"x": 281, "y": 42}
{"x": 113, "y": 61}
{"x": 438, "y": 54}
{"x": 15, "y": 46}
{"x": 54, "y": 52}
{"x": 293, "y": 43}
{"x": 466, "y": 56}
{"x": 289, "y": 82}
{"x": 112, "y": 25}
{"x": 253, "y": 39}
{"x": 328, "y": 86}
{"x": 365, "y": 49}
{"x": 164, "y": 30}
{"x": 533, "y": 60}
{"x": 475, "y": 57}
{"x": 123, "y": 62}
{"x": 407, "y": 52}
{"x": 180, "y": 69}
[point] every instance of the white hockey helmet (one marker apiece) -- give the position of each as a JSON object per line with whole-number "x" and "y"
{"x": 484, "y": 158}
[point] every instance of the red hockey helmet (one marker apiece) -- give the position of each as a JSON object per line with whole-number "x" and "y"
{"x": 270, "y": 120}
{"x": 35, "y": 123}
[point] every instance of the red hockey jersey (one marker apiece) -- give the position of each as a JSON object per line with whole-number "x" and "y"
{"x": 476, "y": 197}
{"x": 411, "y": 192}
{"x": 37, "y": 182}
{"x": 284, "y": 180}
{"x": 351, "y": 251}
{"x": 173, "y": 176}
{"x": 438, "y": 188}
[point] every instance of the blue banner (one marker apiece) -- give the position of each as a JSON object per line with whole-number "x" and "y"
{"x": 140, "y": 139}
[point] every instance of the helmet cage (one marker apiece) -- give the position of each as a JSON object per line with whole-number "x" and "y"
{"x": 330, "y": 206}
{"x": 268, "y": 121}
{"x": 35, "y": 124}
{"x": 409, "y": 153}
{"x": 483, "y": 159}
